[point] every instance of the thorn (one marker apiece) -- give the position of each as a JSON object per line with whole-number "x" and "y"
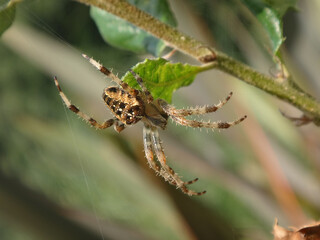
{"x": 298, "y": 121}
{"x": 170, "y": 54}
{"x": 85, "y": 56}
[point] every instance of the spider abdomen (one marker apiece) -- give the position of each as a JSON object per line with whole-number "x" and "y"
{"x": 127, "y": 108}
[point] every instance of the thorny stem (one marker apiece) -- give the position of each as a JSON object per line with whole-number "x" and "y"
{"x": 286, "y": 91}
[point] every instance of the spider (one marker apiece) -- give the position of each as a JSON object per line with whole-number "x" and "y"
{"x": 130, "y": 106}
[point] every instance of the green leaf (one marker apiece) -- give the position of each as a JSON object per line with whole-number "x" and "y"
{"x": 270, "y": 13}
{"x": 161, "y": 77}
{"x": 273, "y": 26}
{"x": 122, "y": 34}
{"x": 7, "y": 14}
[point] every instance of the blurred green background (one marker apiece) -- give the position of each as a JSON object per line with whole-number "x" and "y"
{"x": 61, "y": 179}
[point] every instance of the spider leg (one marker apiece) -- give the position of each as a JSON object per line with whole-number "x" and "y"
{"x": 114, "y": 78}
{"x": 192, "y": 181}
{"x": 143, "y": 87}
{"x": 186, "y": 183}
{"x": 171, "y": 110}
{"x": 167, "y": 172}
{"x": 119, "y": 126}
{"x": 148, "y": 149}
{"x": 150, "y": 156}
{"x": 197, "y": 124}
{"x": 77, "y": 111}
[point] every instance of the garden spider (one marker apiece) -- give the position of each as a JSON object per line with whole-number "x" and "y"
{"x": 130, "y": 106}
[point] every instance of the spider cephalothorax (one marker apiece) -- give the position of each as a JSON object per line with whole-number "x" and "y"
{"x": 130, "y": 106}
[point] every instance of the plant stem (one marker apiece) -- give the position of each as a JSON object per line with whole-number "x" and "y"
{"x": 171, "y": 36}
{"x": 198, "y": 50}
{"x": 283, "y": 90}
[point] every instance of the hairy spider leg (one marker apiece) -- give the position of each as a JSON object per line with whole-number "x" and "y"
{"x": 171, "y": 110}
{"x": 119, "y": 126}
{"x": 143, "y": 87}
{"x": 148, "y": 149}
{"x": 168, "y": 172}
{"x": 84, "y": 116}
{"x": 197, "y": 124}
{"x": 114, "y": 78}
{"x": 149, "y": 153}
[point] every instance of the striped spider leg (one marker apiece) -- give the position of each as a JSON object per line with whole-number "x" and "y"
{"x": 151, "y": 115}
{"x": 113, "y": 121}
{"x": 178, "y": 115}
{"x": 153, "y": 146}
{"x": 130, "y": 106}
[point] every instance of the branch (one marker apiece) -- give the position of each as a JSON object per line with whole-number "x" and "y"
{"x": 290, "y": 93}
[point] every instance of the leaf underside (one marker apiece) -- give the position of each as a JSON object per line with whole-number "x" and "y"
{"x": 161, "y": 77}
{"x": 7, "y": 14}
{"x": 270, "y": 13}
{"x": 122, "y": 34}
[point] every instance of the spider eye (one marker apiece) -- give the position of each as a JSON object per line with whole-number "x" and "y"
{"x": 135, "y": 110}
{"x": 115, "y": 105}
{"x": 133, "y": 114}
{"x": 130, "y": 119}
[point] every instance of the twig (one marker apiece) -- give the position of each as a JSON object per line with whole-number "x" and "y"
{"x": 290, "y": 93}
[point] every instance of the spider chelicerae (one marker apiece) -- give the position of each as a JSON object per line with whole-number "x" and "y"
{"x": 130, "y": 106}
